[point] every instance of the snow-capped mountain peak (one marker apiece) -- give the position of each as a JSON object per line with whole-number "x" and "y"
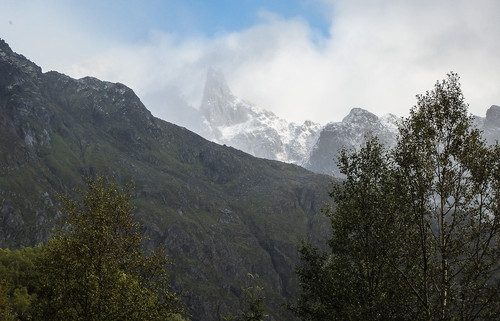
{"x": 240, "y": 124}
{"x": 235, "y": 122}
{"x": 219, "y": 106}
{"x": 360, "y": 116}
{"x": 227, "y": 119}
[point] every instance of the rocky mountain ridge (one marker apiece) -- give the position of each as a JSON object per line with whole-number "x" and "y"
{"x": 226, "y": 119}
{"x": 350, "y": 133}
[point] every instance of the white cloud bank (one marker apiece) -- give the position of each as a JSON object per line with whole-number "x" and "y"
{"x": 378, "y": 55}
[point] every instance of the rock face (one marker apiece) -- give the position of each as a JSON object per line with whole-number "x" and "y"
{"x": 349, "y": 134}
{"x": 490, "y": 125}
{"x": 221, "y": 213}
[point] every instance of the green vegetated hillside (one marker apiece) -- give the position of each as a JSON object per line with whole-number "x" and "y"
{"x": 221, "y": 213}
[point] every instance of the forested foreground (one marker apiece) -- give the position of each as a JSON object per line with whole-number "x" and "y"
{"x": 93, "y": 267}
{"x": 415, "y": 234}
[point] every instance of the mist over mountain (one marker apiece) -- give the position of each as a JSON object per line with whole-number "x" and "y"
{"x": 240, "y": 124}
{"x": 226, "y": 119}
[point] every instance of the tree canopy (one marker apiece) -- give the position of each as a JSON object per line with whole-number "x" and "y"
{"x": 19, "y": 282}
{"x": 416, "y": 228}
{"x": 253, "y": 301}
{"x": 95, "y": 268}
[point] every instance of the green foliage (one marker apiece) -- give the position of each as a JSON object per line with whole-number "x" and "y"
{"x": 254, "y": 303}
{"x": 449, "y": 178}
{"x": 5, "y": 306}
{"x": 94, "y": 267}
{"x": 416, "y": 228}
{"x": 356, "y": 282}
{"x": 18, "y": 282}
{"x": 320, "y": 297}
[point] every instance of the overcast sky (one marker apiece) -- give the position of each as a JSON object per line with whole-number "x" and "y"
{"x": 301, "y": 59}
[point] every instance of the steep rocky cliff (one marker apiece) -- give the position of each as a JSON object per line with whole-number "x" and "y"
{"x": 222, "y": 213}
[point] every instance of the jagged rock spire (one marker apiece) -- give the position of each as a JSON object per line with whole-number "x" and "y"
{"x": 219, "y": 106}
{"x": 493, "y": 116}
{"x": 216, "y": 87}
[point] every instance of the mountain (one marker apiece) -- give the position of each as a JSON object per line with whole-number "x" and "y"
{"x": 226, "y": 119}
{"x": 242, "y": 125}
{"x": 490, "y": 125}
{"x": 220, "y": 212}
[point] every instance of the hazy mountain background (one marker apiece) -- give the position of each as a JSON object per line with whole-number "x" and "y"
{"x": 226, "y": 119}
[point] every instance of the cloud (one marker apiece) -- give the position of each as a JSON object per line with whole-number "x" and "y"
{"x": 50, "y": 34}
{"x": 377, "y": 55}
{"x": 387, "y": 51}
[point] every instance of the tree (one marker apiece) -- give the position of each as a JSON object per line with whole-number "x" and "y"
{"x": 5, "y": 306}
{"x": 254, "y": 303}
{"x": 416, "y": 228}
{"x": 18, "y": 282}
{"x": 94, "y": 267}
{"x": 356, "y": 281}
{"x": 450, "y": 179}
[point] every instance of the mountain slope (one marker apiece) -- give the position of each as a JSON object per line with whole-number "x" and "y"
{"x": 221, "y": 213}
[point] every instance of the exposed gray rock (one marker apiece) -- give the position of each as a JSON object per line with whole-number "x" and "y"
{"x": 350, "y": 134}
{"x": 490, "y": 125}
